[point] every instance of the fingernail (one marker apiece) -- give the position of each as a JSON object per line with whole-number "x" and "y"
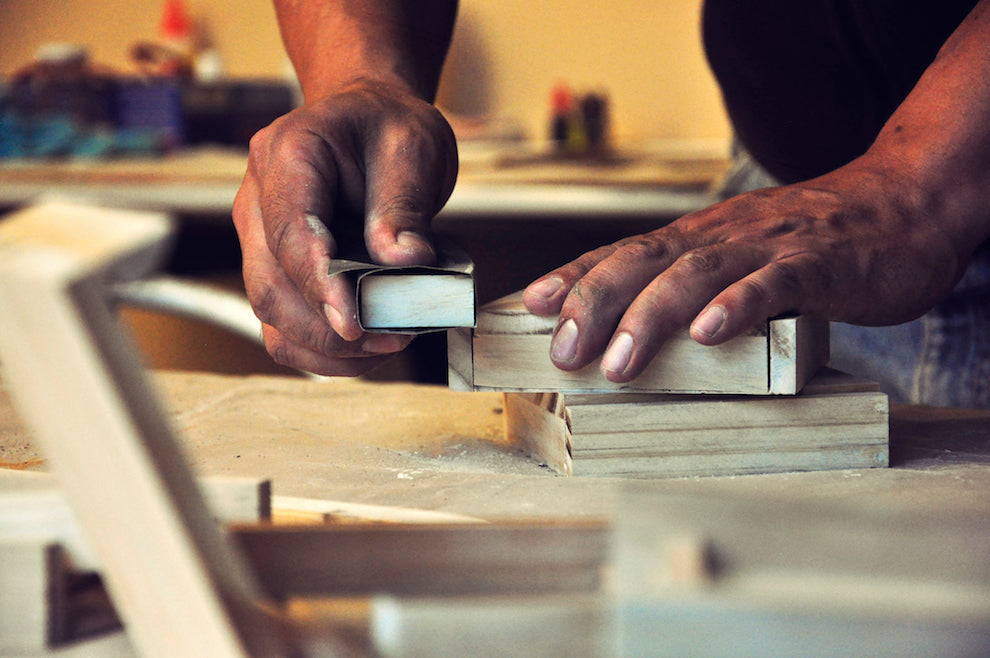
{"x": 385, "y": 343}
{"x": 564, "y": 346}
{"x": 546, "y": 288}
{"x": 409, "y": 241}
{"x": 709, "y": 322}
{"x": 617, "y": 356}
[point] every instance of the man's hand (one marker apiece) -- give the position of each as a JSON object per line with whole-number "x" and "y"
{"x": 369, "y": 159}
{"x": 877, "y": 241}
{"x": 847, "y": 246}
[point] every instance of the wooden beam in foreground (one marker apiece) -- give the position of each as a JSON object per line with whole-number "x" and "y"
{"x": 509, "y": 350}
{"x": 837, "y": 422}
{"x": 178, "y": 584}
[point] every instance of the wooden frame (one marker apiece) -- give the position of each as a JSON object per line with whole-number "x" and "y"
{"x": 837, "y": 421}
{"x": 79, "y": 386}
{"x": 509, "y": 351}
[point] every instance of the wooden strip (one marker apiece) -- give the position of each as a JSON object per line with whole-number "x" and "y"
{"x": 543, "y": 433}
{"x": 510, "y": 350}
{"x": 427, "y": 559}
{"x": 32, "y": 505}
{"x": 801, "y": 534}
{"x": 33, "y": 596}
{"x": 838, "y": 422}
{"x": 522, "y": 363}
{"x": 701, "y": 413}
{"x": 702, "y": 465}
{"x": 492, "y": 626}
{"x": 460, "y": 360}
{"x": 798, "y": 348}
{"x": 78, "y": 383}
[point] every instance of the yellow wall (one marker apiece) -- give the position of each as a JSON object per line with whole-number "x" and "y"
{"x": 507, "y": 53}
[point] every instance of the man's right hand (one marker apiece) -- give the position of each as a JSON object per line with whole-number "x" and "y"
{"x": 369, "y": 158}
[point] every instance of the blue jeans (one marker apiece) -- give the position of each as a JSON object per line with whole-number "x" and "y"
{"x": 940, "y": 359}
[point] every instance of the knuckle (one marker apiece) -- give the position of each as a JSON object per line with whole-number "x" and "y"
{"x": 263, "y": 299}
{"x": 278, "y": 350}
{"x": 320, "y": 338}
{"x": 588, "y": 294}
{"x": 404, "y": 205}
{"x": 806, "y": 276}
{"x": 703, "y": 261}
{"x": 648, "y": 247}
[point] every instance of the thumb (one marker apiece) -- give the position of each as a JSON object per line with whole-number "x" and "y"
{"x": 397, "y": 228}
{"x": 407, "y": 182}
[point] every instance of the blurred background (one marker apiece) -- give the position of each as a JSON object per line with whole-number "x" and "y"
{"x": 506, "y": 56}
{"x": 151, "y": 103}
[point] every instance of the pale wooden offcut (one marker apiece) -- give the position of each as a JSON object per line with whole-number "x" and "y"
{"x": 509, "y": 350}
{"x": 838, "y": 421}
{"x": 180, "y": 586}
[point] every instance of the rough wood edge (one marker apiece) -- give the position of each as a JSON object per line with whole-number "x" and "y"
{"x": 460, "y": 360}
{"x": 798, "y": 348}
{"x": 542, "y": 432}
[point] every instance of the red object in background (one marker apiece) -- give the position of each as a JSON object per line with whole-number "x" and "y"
{"x": 561, "y": 100}
{"x": 176, "y": 24}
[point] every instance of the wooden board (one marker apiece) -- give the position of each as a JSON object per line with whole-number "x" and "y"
{"x": 33, "y": 595}
{"x": 79, "y": 385}
{"x": 33, "y": 506}
{"x": 510, "y": 351}
{"x": 428, "y": 559}
{"x": 838, "y": 421}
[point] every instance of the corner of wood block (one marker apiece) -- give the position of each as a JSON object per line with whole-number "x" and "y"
{"x": 460, "y": 359}
{"x": 538, "y": 426}
{"x": 798, "y": 348}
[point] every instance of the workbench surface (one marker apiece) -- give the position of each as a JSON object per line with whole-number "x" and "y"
{"x": 425, "y": 447}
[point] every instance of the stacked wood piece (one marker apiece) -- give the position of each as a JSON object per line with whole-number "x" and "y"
{"x": 745, "y": 406}
{"x": 837, "y": 421}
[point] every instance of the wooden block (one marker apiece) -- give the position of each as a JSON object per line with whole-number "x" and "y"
{"x": 33, "y": 596}
{"x": 460, "y": 362}
{"x": 837, "y": 422}
{"x": 844, "y": 576}
{"x": 79, "y": 385}
{"x": 539, "y": 427}
{"x": 510, "y": 351}
{"x": 436, "y": 559}
{"x": 33, "y": 506}
{"x": 492, "y": 626}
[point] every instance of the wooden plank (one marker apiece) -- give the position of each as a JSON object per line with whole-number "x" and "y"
{"x": 799, "y": 347}
{"x": 510, "y": 351}
{"x": 32, "y": 505}
{"x": 786, "y": 574}
{"x": 33, "y": 596}
{"x": 427, "y": 559}
{"x": 460, "y": 361}
{"x": 542, "y": 431}
{"x": 837, "y": 422}
{"x": 492, "y": 626}
{"x": 108, "y": 443}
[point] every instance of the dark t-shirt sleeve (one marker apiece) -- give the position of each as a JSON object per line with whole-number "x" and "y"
{"x": 808, "y": 84}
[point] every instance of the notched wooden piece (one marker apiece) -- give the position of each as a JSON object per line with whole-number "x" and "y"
{"x": 837, "y": 422}
{"x": 509, "y": 350}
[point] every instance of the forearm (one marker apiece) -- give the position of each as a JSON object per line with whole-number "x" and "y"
{"x": 937, "y": 143}
{"x": 332, "y": 42}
